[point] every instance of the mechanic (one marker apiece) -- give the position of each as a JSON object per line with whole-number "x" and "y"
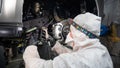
{"x": 86, "y": 52}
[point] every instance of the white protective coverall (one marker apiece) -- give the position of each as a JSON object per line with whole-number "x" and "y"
{"x": 86, "y": 53}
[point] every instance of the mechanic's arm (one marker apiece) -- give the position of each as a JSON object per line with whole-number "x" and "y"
{"x": 33, "y": 60}
{"x": 61, "y": 49}
{"x": 57, "y": 47}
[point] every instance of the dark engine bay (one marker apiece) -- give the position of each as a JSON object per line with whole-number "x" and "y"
{"x": 39, "y": 16}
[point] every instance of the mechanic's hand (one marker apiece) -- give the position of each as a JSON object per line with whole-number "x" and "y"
{"x": 46, "y": 32}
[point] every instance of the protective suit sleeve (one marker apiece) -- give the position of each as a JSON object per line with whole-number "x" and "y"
{"x": 32, "y": 59}
{"x": 89, "y": 57}
{"x": 60, "y": 49}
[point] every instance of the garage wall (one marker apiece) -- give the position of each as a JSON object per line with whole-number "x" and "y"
{"x": 111, "y": 11}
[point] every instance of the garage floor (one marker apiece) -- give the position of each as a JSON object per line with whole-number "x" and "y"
{"x": 116, "y": 61}
{"x": 16, "y": 62}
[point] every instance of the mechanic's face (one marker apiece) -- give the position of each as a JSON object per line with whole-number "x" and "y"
{"x": 57, "y": 31}
{"x": 60, "y": 30}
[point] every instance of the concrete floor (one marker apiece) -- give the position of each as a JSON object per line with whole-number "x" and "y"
{"x": 16, "y": 62}
{"x": 116, "y": 61}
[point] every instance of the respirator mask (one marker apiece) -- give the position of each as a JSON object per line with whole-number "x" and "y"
{"x": 61, "y": 30}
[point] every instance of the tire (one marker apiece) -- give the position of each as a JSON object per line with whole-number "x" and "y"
{"x": 2, "y": 57}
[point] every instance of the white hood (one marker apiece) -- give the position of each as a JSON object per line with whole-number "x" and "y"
{"x": 89, "y": 21}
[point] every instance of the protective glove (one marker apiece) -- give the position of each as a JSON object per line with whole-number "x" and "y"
{"x": 45, "y": 51}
